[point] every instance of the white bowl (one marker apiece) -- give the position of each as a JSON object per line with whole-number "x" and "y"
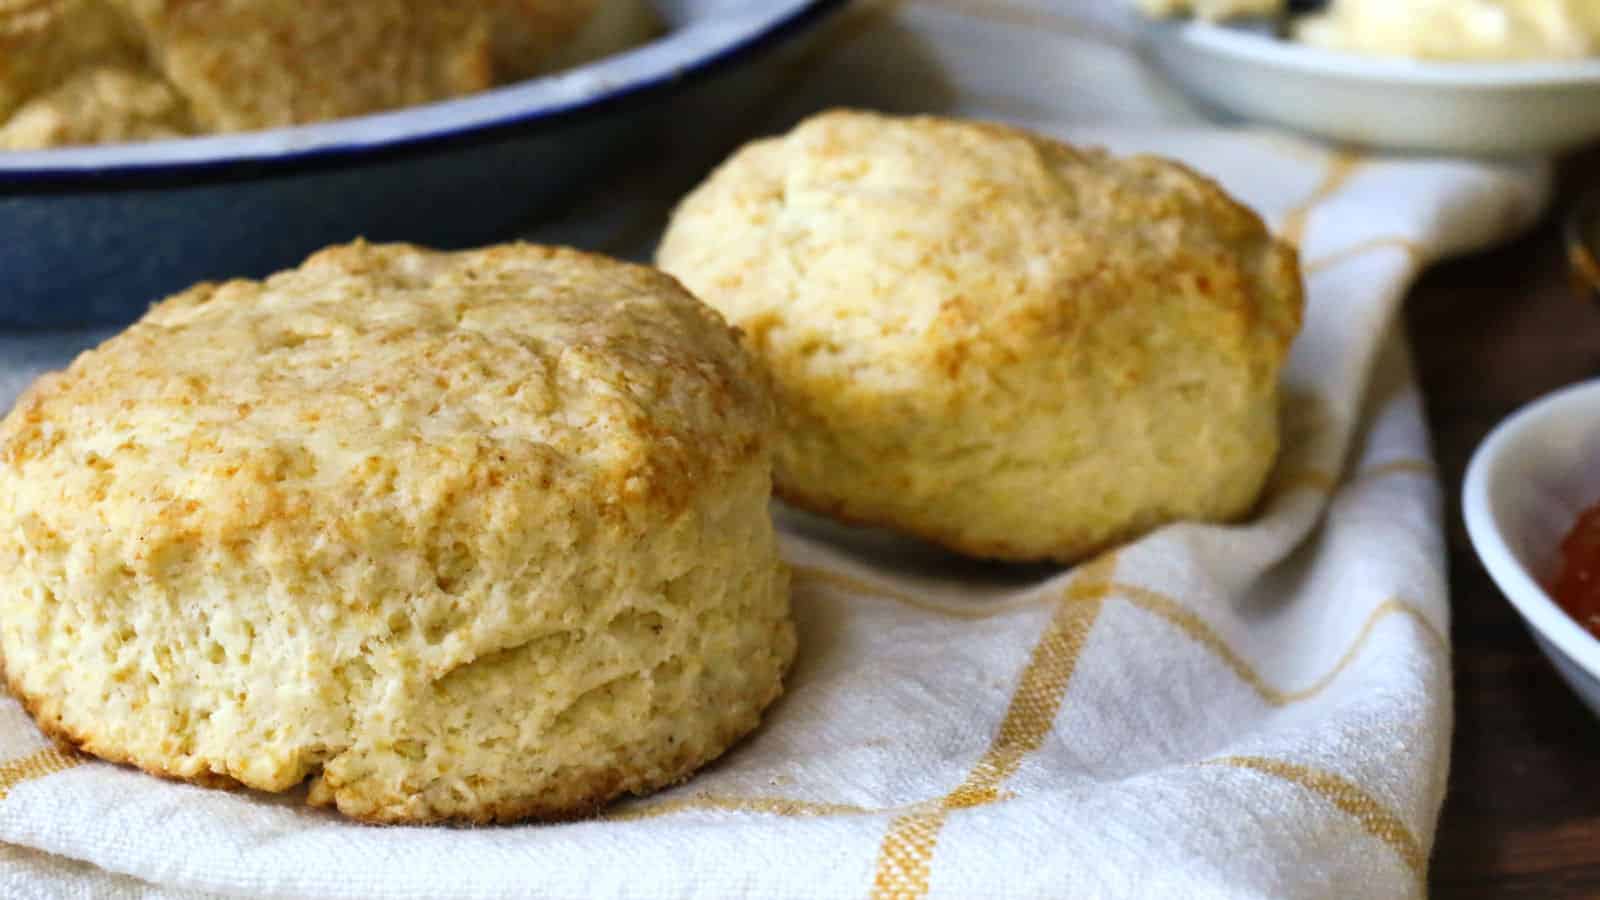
{"x": 1495, "y": 109}
{"x": 1526, "y": 485}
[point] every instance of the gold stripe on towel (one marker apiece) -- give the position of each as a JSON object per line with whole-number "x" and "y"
{"x": 906, "y": 855}
{"x": 1410, "y": 248}
{"x": 1201, "y": 633}
{"x": 1342, "y": 168}
{"x": 44, "y": 762}
{"x": 1349, "y": 797}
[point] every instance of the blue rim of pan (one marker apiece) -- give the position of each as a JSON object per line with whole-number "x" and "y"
{"x": 152, "y": 175}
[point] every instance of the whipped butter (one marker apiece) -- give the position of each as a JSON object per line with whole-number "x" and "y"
{"x": 1458, "y": 30}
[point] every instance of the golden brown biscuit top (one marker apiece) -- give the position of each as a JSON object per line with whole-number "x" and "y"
{"x": 874, "y": 242}
{"x": 390, "y": 371}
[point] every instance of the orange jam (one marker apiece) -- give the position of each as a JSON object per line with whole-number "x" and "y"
{"x": 1577, "y": 588}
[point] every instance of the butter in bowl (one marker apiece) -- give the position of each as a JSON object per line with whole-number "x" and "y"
{"x": 1459, "y": 77}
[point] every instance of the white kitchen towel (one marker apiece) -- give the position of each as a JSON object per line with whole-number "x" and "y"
{"x": 1259, "y": 710}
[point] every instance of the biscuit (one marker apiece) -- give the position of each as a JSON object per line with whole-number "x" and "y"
{"x": 43, "y": 42}
{"x": 248, "y": 64}
{"x": 992, "y": 340}
{"x": 86, "y": 71}
{"x": 468, "y": 536}
{"x": 100, "y": 105}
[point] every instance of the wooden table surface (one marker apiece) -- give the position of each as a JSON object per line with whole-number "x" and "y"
{"x": 1522, "y": 818}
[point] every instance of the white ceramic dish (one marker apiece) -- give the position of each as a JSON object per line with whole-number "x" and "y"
{"x": 1526, "y": 485}
{"x": 1495, "y": 109}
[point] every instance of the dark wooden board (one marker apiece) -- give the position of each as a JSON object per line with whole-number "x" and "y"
{"x": 1490, "y": 333}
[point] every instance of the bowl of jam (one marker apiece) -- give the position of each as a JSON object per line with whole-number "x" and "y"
{"x": 1531, "y": 501}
